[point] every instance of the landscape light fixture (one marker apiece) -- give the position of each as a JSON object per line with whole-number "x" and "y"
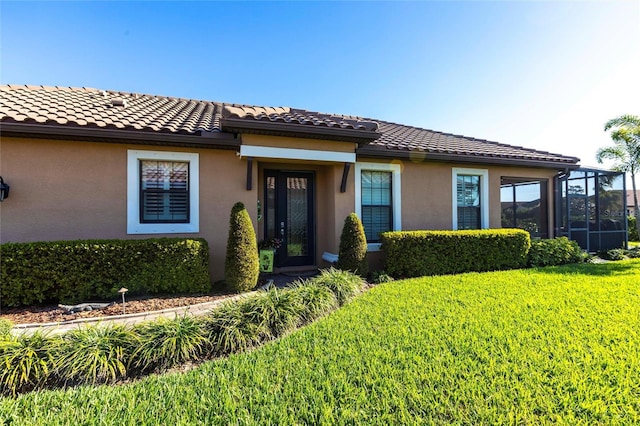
{"x": 123, "y": 291}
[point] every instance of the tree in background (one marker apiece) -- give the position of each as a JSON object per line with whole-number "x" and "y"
{"x": 241, "y": 266}
{"x": 625, "y": 132}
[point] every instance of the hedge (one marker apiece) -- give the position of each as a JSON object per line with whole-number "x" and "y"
{"x": 87, "y": 270}
{"x": 420, "y": 253}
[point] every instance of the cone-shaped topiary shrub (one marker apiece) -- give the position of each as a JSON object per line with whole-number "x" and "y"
{"x": 241, "y": 266}
{"x": 353, "y": 247}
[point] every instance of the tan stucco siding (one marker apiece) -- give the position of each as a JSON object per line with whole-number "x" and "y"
{"x": 78, "y": 190}
{"x": 298, "y": 143}
{"x": 427, "y": 192}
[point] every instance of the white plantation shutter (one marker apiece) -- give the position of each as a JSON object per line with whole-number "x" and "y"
{"x": 164, "y": 190}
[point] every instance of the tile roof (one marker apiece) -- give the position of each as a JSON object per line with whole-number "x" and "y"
{"x": 115, "y": 110}
{"x": 398, "y": 137}
{"x": 298, "y": 116}
{"x": 93, "y": 108}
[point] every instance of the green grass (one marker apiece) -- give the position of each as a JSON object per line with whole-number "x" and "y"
{"x": 552, "y": 345}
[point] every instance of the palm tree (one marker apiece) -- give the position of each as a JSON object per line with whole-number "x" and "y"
{"x": 625, "y": 151}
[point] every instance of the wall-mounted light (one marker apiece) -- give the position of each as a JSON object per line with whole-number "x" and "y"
{"x": 4, "y": 190}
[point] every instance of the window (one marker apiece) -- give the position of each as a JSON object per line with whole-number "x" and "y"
{"x": 470, "y": 199}
{"x": 376, "y": 203}
{"x": 378, "y": 200}
{"x": 164, "y": 191}
{"x": 162, "y": 194}
{"x": 524, "y": 205}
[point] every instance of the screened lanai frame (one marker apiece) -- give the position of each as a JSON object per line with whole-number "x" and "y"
{"x": 591, "y": 208}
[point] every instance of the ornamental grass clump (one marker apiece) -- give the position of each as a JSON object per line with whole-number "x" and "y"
{"x": 93, "y": 354}
{"x": 278, "y": 311}
{"x": 164, "y": 343}
{"x": 26, "y": 362}
{"x": 316, "y": 300}
{"x": 242, "y": 264}
{"x": 353, "y": 247}
{"x": 229, "y": 328}
{"x": 343, "y": 284}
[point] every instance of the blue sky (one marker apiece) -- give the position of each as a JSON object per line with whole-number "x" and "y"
{"x": 545, "y": 75}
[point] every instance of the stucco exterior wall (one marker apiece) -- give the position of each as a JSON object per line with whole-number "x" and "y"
{"x": 78, "y": 190}
{"x": 298, "y": 143}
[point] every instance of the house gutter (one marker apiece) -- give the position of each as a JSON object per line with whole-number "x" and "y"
{"x": 466, "y": 158}
{"x": 280, "y": 128}
{"x": 202, "y": 139}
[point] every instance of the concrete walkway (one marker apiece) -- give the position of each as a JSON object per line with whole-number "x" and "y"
{"x": 279, "y": 280}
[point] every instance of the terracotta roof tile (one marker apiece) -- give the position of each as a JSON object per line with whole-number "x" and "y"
{"x": 69, "y": 106}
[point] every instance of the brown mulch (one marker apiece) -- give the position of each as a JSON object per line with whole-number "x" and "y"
{"x": 52, "y": 313}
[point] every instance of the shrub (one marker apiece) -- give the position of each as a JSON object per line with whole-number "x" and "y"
{"x": 5, "y": 328}
{"x": 558, "y": 251}
{"x": 380, "y": 277}
{"x": 633, "y": 253}
{"x": 26, "y": 362}
{"x": 76, "y": 271}
{"x": 316, "y": 300}
{"x": 633, "y": 229}
{"x": 353, "y": 247}
{"x": 93, "y": 354}
{"x": 164, "y": 343}
{"x": 242, "y": 266}
{"x": 277, "y": 311}
{"x": 344, "y": 285}
{"x": 229, "y": 328}
{"x": 613, "y": 254}
{"x": 421, "y": 253}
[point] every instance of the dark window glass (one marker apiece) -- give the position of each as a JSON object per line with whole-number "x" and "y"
{"x": 377, "y": 212}
{"x": 468, "y": 193}
{"x": 164, "y": 191}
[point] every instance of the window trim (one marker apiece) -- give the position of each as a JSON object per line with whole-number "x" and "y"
{"x": 134, "y": 225}
{"x": 484, "y": 195}
{"x": 396, "y": 194}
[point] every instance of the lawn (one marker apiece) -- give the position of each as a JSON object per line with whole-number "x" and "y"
{"x": 549, "y": 345}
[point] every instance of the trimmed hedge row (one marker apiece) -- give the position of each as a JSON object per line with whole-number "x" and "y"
{"x": 83, "y": 270}
{"x": 421, "y": 253}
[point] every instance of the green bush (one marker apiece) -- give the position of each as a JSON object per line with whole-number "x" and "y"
{"x": 633, "y": 230}
{"x": 163, "y": 343}
{"x": 76, "y": 271}
{"x": 352, "y": 256}
{"x": 278, "y": 311}
{"x": 93, "y": 354}
{"x": 242, "y": 264}
{"x": 345, "y": 285}
{"x": 5, "y": 328}
{"x": 379, "y": 277}
{"x": 316, "y": 300}
{"x": 558, "y": 251}
{"x": 613, "y": 254}
{"x": 230, "y": 328}
{"x": 27, "y": 362}
{"x": 421, "y": 253}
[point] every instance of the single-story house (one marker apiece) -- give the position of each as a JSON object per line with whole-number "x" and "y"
{"x": 85, "y": 163}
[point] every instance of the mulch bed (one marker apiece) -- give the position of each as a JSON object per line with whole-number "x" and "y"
{"x": 52, "y": 313}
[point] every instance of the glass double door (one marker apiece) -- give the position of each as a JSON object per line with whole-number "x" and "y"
{"x": 290, "y": 216}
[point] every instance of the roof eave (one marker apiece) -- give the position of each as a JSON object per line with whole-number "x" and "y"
{"x": 217, "y": 140}
{"x": 570, "y": 163}
{"x": 298, "y": 130}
